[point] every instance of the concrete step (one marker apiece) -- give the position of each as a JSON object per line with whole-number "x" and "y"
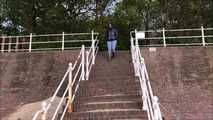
{"x": 98, "y": 76}
{"x": 108, "y": 89}
{"x": 108, "y": 98}
{"x": 99, "y": 91}
{"x": 110, "y": 114}
{"x": 105, "y": 78}
{"x": 109, "y": 83}
{"x": 89, "y": 106}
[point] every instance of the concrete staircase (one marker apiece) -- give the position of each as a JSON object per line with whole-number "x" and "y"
{"x": 111, "y": 93}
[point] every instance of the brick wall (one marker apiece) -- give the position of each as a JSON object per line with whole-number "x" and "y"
{"x": 30, "y": 77}
{"x": 182, "y": 77}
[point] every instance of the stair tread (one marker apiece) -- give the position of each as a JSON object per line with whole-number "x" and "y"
{"x": 97, "y": 93}
{"x": 110, "y": 114}
{"x": 112, "y": 102}
{"x": 110, "y": 86}
{"x": 107, "y": 97}
{"x": 111, "y": 110}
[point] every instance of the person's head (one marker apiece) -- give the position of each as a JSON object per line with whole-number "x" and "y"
{"x": 110, "y": 25}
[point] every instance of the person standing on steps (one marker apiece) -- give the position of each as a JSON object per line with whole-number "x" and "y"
{"x": 112, "y": 36}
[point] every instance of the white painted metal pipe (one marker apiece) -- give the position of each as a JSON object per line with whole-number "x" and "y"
{"x": 62, "y": 47}
{"x": 203, "y": 36}
{"x": 93, "y": 48}
{"x": 83, "y": 62}
{"x": 2, "y": 45}
{"x": 30, "y": 44}
{"x": 87, "y": 65}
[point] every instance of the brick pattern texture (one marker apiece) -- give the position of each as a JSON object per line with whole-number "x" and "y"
{"x": 30, "y": 77}
{"x": 182, "y": 77}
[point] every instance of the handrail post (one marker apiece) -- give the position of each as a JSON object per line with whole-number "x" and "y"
{"x": 136, "y": 39}
{"x": 44, "y": 112}
{"x": 144, "y": 90}
{"x": 132, "y": 49}
{"x": 157, "y": 114}
{"x": 83, "y": 63}
{"x": 30, "y": 45}
{"x": 133, "y": 52}
{"x": 87, "y": 65}
{"x": 164, "y": 38}
{"x": 62, "y": 47}
{"x": 9, "y": 44}
{"x": 17, "y": 42}
{"x": 136, "y": 55}
{"x": 93, "y": 48}
{"x": 203, "y": 36}
{"x": 2, "y": 45}
{"x": 70, "y": 106}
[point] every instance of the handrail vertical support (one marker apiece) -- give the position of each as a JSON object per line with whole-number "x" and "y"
{"x": 136, "y": 39}
{"x": 145, "y": 106}
{"x": 9, "y": 44}
{"x": 164, "y": 38}
{"x": 70, "y": 106}
{"x": 83, "y": 63}
{"x": 30, "y": 45}
{"x": 132, "y": 49}
{"x": 17, "y": 42}
{"x": 93, "y": 48}
{"x": 203, "y": 36}
{"x": 2, "y": 45}
{"x": 157, "y": 114}
{"x": 62, "y": 47}
{"x": 136, "y": 54}
{"x": 44, "y": 112}
{"x": 87, "y": 65}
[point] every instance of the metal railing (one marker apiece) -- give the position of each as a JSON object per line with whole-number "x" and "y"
{"x": 177, "y": 37}
{"x": 29, "y": 43}
{"x": 76, "y": 72}
{"x": 90, "y": 57}
{"x": 150, "y": 102}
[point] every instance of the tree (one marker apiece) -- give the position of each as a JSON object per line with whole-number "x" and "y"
{"x": 56, "y": 16}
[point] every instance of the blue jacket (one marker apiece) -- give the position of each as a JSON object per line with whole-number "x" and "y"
{"x": 112, "y": 34}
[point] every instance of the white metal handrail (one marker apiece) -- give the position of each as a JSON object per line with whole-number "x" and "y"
{"x": 75, "y": 73}
{"x": 50, "y": 35}
{"x": 29, "y": 43}
{"x": 150, "y": 102}
{"x": 199, "y": 36}
{"x": 178, "y": 30}
{"x": 47, "y": 42}
{"x": 91, "y": 55}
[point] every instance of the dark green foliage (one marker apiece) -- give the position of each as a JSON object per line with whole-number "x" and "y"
{"x": 57, "y": 16}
